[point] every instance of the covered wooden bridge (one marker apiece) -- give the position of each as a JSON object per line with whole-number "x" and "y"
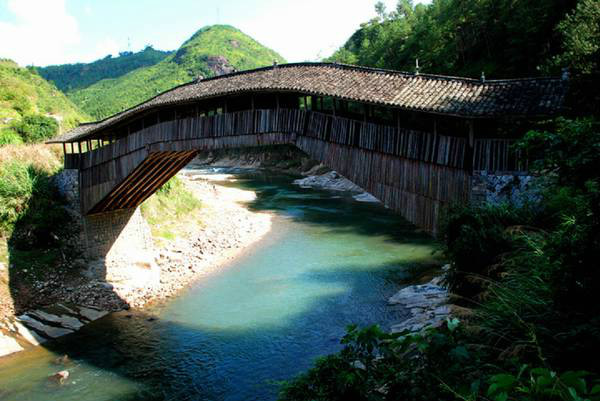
{"x": 412, "y": 140}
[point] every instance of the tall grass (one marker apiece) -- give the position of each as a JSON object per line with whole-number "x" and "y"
{"x": 25, "y": 174}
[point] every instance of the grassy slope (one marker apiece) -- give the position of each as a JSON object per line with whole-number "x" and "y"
{"x": 110, "y": 96}
{"x": 68, "y": 77}
{"x": 23, "y": 92}
{"x": 165, "y": 211}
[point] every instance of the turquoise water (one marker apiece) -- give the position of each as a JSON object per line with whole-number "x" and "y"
{"x": 329, "y": 261}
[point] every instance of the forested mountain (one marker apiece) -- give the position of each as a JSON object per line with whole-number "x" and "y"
{"x": 75, "y": 76}
{"x": 211, "y": 51}
{"x": 30, "y": 107}
{"x": 501, "y": 38}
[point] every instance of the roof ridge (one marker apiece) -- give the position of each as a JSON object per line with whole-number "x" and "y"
{"x": 372, "y": 69}
{"x": 327, "y": 65}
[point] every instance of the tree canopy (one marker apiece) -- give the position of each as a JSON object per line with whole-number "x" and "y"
{"x": 501, "y": 38}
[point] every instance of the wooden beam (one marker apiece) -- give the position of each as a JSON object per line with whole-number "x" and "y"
{"x": 169, "y": 173}
{"x": 130, "y": 191}
{"x": 148, "y": 186}
{"x": 110, "y": 199}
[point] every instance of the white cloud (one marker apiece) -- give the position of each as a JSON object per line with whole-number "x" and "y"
{"x": 310, "y": 29}
{"x": 105, "y": 47}
{"x": 42, "y": 32}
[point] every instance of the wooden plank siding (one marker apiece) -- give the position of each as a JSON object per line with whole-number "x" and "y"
{"x": 414, "y": 172}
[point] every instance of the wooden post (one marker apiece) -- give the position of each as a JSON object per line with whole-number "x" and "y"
{"x": 252, "y": 102}
{"x": 470, "y": 153}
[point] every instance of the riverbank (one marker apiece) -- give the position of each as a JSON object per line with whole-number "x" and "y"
{"x": 205, "y": 240}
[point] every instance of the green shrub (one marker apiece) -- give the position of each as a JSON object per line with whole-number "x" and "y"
{"x": 374, "y": 365}
{"x": 9, "y": 137}
{"x": 16, "y": 188}
{"x": 475, "y": 238}
{"x": 31, "y": 209}
{"x": 36, "y": 128}
{"x": 543, "y": 384}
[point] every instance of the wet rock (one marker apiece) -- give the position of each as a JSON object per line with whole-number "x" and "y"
{"x": 49, "y": 331}
{"x": 366, "y": 197}
{"x": 65, "y": 321}
{"x": 331, "y": 180}
{"x": 29, "y": 335}
{"x": 63, "y": 360}
{"x": 60, "y": 377}
{"x": 427, "y": 303}
{"x": 91, "y": 313}
{"x": 8, "y": 345}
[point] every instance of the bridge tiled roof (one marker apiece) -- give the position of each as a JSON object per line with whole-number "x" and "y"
{"x": 463, "y": 97}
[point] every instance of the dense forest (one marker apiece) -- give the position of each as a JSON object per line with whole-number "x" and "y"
{"x": 500, "y": 38}
{"x": 68, "y": 77}
{"x": 525, "y": 277}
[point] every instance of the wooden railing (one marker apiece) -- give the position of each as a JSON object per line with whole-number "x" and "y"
{"x": 412, "y": 171}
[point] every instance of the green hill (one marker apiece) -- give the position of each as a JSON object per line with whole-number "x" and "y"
{"x": 213, "y": 50}
{"x": 29, "y": 104}
{"x": 76, "y": 76}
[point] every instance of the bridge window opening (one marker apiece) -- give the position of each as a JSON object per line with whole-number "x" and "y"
{"x": 317, "y": 103}
{"x": 302, "y": 103}
{"x": 150, "y": 120}
{"x": 122, "y": 132}
{"x": 383, "y": 115}
{"x": 451, "y": 126}
{"x": 265, "y": 101}
{"x": 219, "y": 110}
{"x": 355, "y": 110}
{"x": 328, "y": 105}
{"x": 308, "y": 103}
{"x": 187, "y": 111}
{"x": 288, "y": 101}
{"x": 136, "y": 126}
{"x": 166, "y": 115}
{"x": 415, "y": 121}
{"x": 239, "y": 103}
{"x": 487, "y": 128}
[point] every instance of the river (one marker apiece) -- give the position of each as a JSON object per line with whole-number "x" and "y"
{"x": 328, "y": 261}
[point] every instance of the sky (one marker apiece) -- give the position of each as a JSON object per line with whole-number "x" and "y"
{"x": 45, "y": 32}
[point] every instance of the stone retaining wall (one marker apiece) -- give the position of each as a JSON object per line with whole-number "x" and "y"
{"x": 111, "y": 235}
{"x": 115, "y": 235}
{"x": 516, "y": 188}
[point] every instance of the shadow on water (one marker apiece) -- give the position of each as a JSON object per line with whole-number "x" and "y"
{"x": 133, "y": 355}
{"x": 337, "y": 210}
{"x": 235, "y": 334}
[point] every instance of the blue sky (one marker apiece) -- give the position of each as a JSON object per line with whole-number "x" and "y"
{"x": 43, "y": 32}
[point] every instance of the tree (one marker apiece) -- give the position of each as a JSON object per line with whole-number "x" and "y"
{"x": 381, "y": 10}
{"x": 580, "y": 32}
